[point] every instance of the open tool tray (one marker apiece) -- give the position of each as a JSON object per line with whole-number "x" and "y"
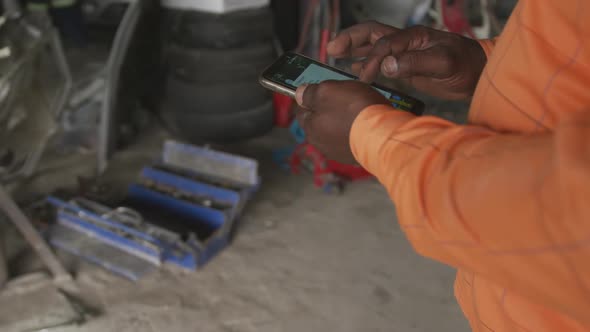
{"x": 199, "y": 212}
{"x": 182, "y": 216}
{"x": 119, "y": 239}
{"x": 196, "y": 192}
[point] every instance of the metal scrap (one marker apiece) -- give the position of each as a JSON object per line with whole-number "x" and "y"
{"x": 34, "y": 84}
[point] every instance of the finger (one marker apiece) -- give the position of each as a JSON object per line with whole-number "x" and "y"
{"x": 308, "y": 96}
{"x": 302, "y": 115}
{"x": 362, "y": 51}
{"x": 299, "y": 94}
{"x": 306, "y": 120}
{"x": 356, "y": 67}
{"x": 435, "y": 62}
{"x": 357, "y": 36}
{"x": 392, "y": 45}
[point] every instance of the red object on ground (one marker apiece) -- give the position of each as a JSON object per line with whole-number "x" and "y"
{"x": 283, "y": 106}
{"x": 454, "y": 18}
{"x": 325, "y": 171}
{"x": 307, "y": 152}
{"x": 349, "y": 172}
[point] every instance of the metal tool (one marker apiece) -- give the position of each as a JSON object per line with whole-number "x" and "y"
{"x": 131, "y": 218}
{"x": 201, "y": 200}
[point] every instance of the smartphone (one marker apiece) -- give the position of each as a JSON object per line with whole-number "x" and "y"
{"x": 292, "y": 70}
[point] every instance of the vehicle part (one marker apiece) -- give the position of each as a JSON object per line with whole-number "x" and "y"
{"x": 228, "y": 127}
{"x": 182, "y": 97}
{"x": 207, "y": 65}
{"x": 198, "y": 29}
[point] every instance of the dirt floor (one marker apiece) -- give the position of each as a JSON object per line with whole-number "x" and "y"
{"x": 302, "y": 261}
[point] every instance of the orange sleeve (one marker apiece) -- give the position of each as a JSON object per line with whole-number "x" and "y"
{"x": 488, "y": 45}
{"x": 512, "y": 208}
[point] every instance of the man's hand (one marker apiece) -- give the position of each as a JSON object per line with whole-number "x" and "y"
{"x": 327, "y": 111}
{"x": 439, "y": 63}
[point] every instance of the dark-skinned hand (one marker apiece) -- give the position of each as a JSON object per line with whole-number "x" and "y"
{"x": 327, "y": 111}
{"x": 441, "y": 64}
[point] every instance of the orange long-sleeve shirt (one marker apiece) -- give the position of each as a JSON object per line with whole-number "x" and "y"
{"x": 505, "y": 199}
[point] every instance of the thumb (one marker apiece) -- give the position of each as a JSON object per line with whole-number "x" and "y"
{"x": 432, "y": 63}
{"x": 299, "y": 94}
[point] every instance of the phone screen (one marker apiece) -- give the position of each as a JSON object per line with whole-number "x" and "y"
{"x": 293, "y": 70}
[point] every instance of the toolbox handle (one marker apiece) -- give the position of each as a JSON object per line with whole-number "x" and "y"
{"x": 74, "y": 209}
{"x": 125, "y": 215}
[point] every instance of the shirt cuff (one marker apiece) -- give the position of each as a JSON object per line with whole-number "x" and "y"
{"x": 487, "y": 45}
{"x": 371, "y": 129}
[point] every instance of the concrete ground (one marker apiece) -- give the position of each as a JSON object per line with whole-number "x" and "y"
{"x": 302, "y": 261}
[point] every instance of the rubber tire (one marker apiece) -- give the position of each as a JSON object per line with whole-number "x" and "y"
{"x": 197, "y": 29}
{"x": 208, "y": 65}
{"x": 227, "y": 97}
{"x": 220, "y": 128}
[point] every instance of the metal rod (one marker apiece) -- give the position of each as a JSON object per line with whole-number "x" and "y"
{"x": 31, "y": 235}
{"x": 107, "y": 131}
{"x": 3, "y": 266}
{"x": 56, "y": 109}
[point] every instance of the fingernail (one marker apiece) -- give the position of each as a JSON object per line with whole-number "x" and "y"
{"x": 299, "y": 94}
{"x": 330, "y": 45}
{"x": 375, "y": 36}
{"x": 389, "y": 66}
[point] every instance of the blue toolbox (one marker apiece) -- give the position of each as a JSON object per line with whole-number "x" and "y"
{"x": 117, "y": 239}
{"x": 180, "y": 211}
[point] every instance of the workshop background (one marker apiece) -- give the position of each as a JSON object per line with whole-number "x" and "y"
{"x": 149, "y": 183}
